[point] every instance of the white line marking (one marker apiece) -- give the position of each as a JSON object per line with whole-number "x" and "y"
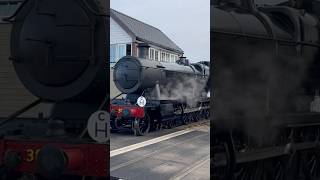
{"x": 149, "y": 142}
{"x": 154, "y": 152}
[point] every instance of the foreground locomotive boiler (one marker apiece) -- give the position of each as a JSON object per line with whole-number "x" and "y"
{"x": 157, "y": 93}
{"x": 58, "y": 50}
{"x": 266, "y": 92}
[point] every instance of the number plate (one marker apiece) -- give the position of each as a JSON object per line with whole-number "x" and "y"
{"x": 31, "y": 155}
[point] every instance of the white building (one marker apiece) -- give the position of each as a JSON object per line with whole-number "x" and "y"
{"x": 126, "y": 33}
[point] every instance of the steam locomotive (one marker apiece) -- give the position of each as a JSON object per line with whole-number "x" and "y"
{"x": 266, "y": 92}
{"x": 58, "y": 50}
{"x": 158, "y": 94}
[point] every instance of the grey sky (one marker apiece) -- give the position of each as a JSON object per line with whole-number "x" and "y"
{"x": 186, "y": 22}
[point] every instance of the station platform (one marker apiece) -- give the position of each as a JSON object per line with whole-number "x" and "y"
{"x": 179, "y": 153}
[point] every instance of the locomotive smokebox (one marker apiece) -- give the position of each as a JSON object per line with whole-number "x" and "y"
{"x": 132, "y": 75}
{"x": 59, "y": 52}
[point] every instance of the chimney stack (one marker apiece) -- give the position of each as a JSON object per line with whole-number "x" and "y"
{"x": 183, "y": 61}
{"x": 144, "y": 50}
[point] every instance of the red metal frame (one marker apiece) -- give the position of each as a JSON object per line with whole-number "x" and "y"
{"x": 135, "y": 111}
{"x": 85, "y": 159}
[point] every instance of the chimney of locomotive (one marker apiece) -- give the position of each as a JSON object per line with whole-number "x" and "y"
{"x": 143, "y": 49}
{"x": 183, "y": 61}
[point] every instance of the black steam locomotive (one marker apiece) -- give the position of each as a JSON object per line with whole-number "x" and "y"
{"x": 58, "y": 50}
{"x": 266, "y": 122}
{"x": 158, "y": 94}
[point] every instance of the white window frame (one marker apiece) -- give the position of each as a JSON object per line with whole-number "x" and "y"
{"x": 117, "y": 51}
{"x": 172, "y": 57}
{"x": 163, "y": 58}
{"x": 157, "y": 52}
{"x": 167, "y": 57}
{"x": 152, "y": 53}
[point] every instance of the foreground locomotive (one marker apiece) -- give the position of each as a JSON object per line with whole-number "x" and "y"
{"x": 266, "y": 92}
{"x": 58, "y": 52}
{"x": 158, "y": 94}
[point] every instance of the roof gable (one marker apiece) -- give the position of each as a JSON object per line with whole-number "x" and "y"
{"x": 144, "y": 32}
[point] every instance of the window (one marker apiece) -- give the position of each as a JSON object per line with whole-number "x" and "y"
{"x": 156, "y": 57}
{"x": 167, "y": 57}
{"x": 113, "y": 52}
{"x": 163, "y": 56}
{"x": 118, "y": 51}
{"x": 122, "y": 51}
{"x": 151, "y": 54}
{"x": 172, "y": 58}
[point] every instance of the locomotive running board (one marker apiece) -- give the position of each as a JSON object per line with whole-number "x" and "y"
{"x": 195, "y": 109}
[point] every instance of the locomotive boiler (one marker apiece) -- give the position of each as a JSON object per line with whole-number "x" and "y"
{"x": 169, "y": 89}
{"x": 58, "y": 50}
{"x": 266, "y": 91}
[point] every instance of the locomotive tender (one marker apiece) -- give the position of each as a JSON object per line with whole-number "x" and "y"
{"x": 58, "y": 50}
{"x": 173, "y": 93}
{"x": 266, "y": 92}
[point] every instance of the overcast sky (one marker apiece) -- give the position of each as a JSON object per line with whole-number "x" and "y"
{"x": 186, "y": 22}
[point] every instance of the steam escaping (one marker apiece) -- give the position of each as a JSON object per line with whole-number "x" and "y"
{"x": 253, "y": 87}
{"x": 186, "y": 89}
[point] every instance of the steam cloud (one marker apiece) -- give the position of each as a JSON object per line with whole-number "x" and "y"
{"x": 186, "y": 89}
{"x": 250, "y": 85}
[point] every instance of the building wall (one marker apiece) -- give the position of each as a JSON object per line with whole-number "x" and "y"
{"x": 120, "y": 42}
{"x": 118, "y": 35}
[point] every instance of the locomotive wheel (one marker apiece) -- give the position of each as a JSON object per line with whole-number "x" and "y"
{"x": 279, "y": 169}
{"x": 195, "y": 116}
{"x": 198, "y": 115}
{"x": 201, "y": 114}
{"x": 172, "y": 123}
{"x": 113, "y": 126}
{"x": 312, "y": 164}
{"x": 141, "y": 126}
{"x": 181, "y": 117}
{"x": 190, "y": 117}
{"x": 169, "y": 124}
{"x": 207, "y": 114}
{"x": 185, "y": 119}
{"x": 159, "y": 125}
{"x": 224, "y": 159}
{"x": 222, "y": 167}
{"x": 155, "y": 125}
{"x": 252, "y": 171}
